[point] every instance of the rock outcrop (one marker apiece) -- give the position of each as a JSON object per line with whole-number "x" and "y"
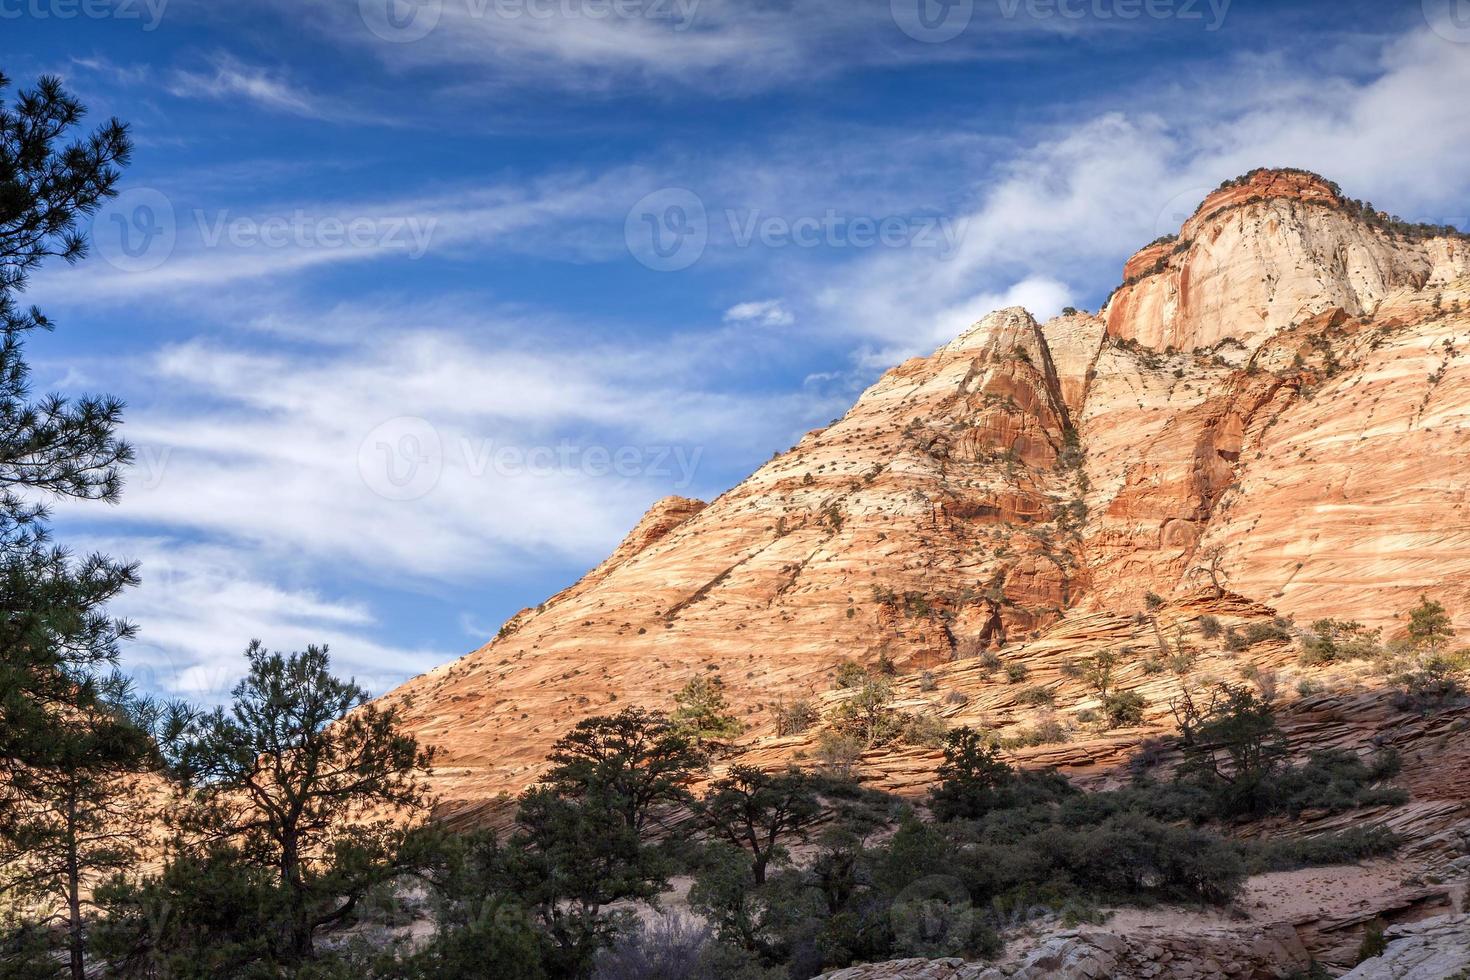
{"x": 1435, "y": 949}
{"x": 1275, "y": 403}
{"x": 1250, "y": 953}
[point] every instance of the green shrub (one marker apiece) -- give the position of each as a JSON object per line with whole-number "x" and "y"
{"x": 1037, "y": 697}
{"x": 1124, "y": 708}
{"x": 1331, "y": 640}
{"x": 850, "y": 673}
{"x": 1016, "y": 673}
{"x": 795, "y": 717}
{"x": 1049, "y": 731}
{"x": 1344, "y": 847}
{"x": 923, "y": 730}
{"x": 1373, "y": 943}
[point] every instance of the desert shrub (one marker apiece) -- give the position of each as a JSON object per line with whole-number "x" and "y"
{"x": 1430, "y": 682}
{"x": 850, "y": 673}
{"x": 1373, "y": 943}
{"x": 923, "y": 730}
{"x": 1336, "y": 780}
{"x": 795, "y": 717}
{"x": 1037, "y": 697}
{"x": 866, "y": 715}
{"x": 838, "y": 754}
{"x": 1124, "y": 708}
{"x": 927, "y": 682}
{"x": 1234, "y": 641}
{"x": 1147, "y": 756}
{"x": 1048, "y": 731}
{"x": 1330, "y": 640}
{"x": 1209, "y": 627}
{"x": 1016, "y": 673}
{"x": 1259, "y": 632}
{"x": 1343, "y": 847}
{"x": 990, "y": 660}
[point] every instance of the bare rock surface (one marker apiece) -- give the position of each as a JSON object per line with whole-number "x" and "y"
{"x": 1435, "y": 949}
{"x": 1269, "y": 418}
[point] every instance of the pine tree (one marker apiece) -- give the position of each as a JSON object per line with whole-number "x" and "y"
{"x": 63, "y": 740}
{"x": 1429, "y": 625}
{"x": 83, "y": 816}
{"x": 55, "y": 640}
{"x": 303, "y": 778}
{"x": 703, "y": 715}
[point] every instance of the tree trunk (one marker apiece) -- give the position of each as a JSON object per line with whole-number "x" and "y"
{"x": 300, "y": 925}
{"x": 74, "y": 890}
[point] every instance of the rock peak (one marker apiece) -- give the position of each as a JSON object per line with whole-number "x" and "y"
{"x": 1267, "y": 250}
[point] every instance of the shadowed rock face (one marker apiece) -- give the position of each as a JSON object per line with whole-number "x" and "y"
{"x": 1281, "y": 396}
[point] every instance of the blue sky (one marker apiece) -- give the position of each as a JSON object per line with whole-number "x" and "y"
{"x": 416, "y": 308}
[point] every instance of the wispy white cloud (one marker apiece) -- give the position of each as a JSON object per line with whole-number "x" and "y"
{"x": 228, "y": 78}
{"x": 765, "y": 313}
{"x": 200, "y": 604}
{"x": 413, "y": 451}
{"x": 1052, "y": 219}
{"x": 714, "y": 47}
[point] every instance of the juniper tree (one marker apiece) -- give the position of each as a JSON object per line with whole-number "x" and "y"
{"x": 1429, "y": 625}
{"x": 753, "y": 810}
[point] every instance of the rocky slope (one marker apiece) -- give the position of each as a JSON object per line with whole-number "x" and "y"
{"x": 1267, "y": 418}
{"x": 1280, "y": 393}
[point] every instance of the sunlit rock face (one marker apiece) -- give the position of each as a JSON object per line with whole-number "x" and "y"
{"x": 1275, "y": 402}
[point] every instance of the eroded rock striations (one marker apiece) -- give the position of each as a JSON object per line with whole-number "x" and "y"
{"x": 1275, "y": 401}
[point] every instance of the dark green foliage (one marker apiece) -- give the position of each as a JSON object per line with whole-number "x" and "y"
{"x": 1231, "y": 746}
{"x": 634, "y": 761}
{"x": 568, "y": 861}
{"x": 64, "y": 747}
{"x": 54, "y": 632}
{"x": 676, "y": 948}
{"x": 753, "y": 810}
{"x": 970, "y": 777}
{"x": 1344, "y": 847}
{"x": 1336, "y": 780}
{"x": 1429, "y": 625}
{"x": 303, "y": 777}
{"x": 80, "y": 818}
{"x": 209, "y": 914}
{"x": 1373, "y": 943}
